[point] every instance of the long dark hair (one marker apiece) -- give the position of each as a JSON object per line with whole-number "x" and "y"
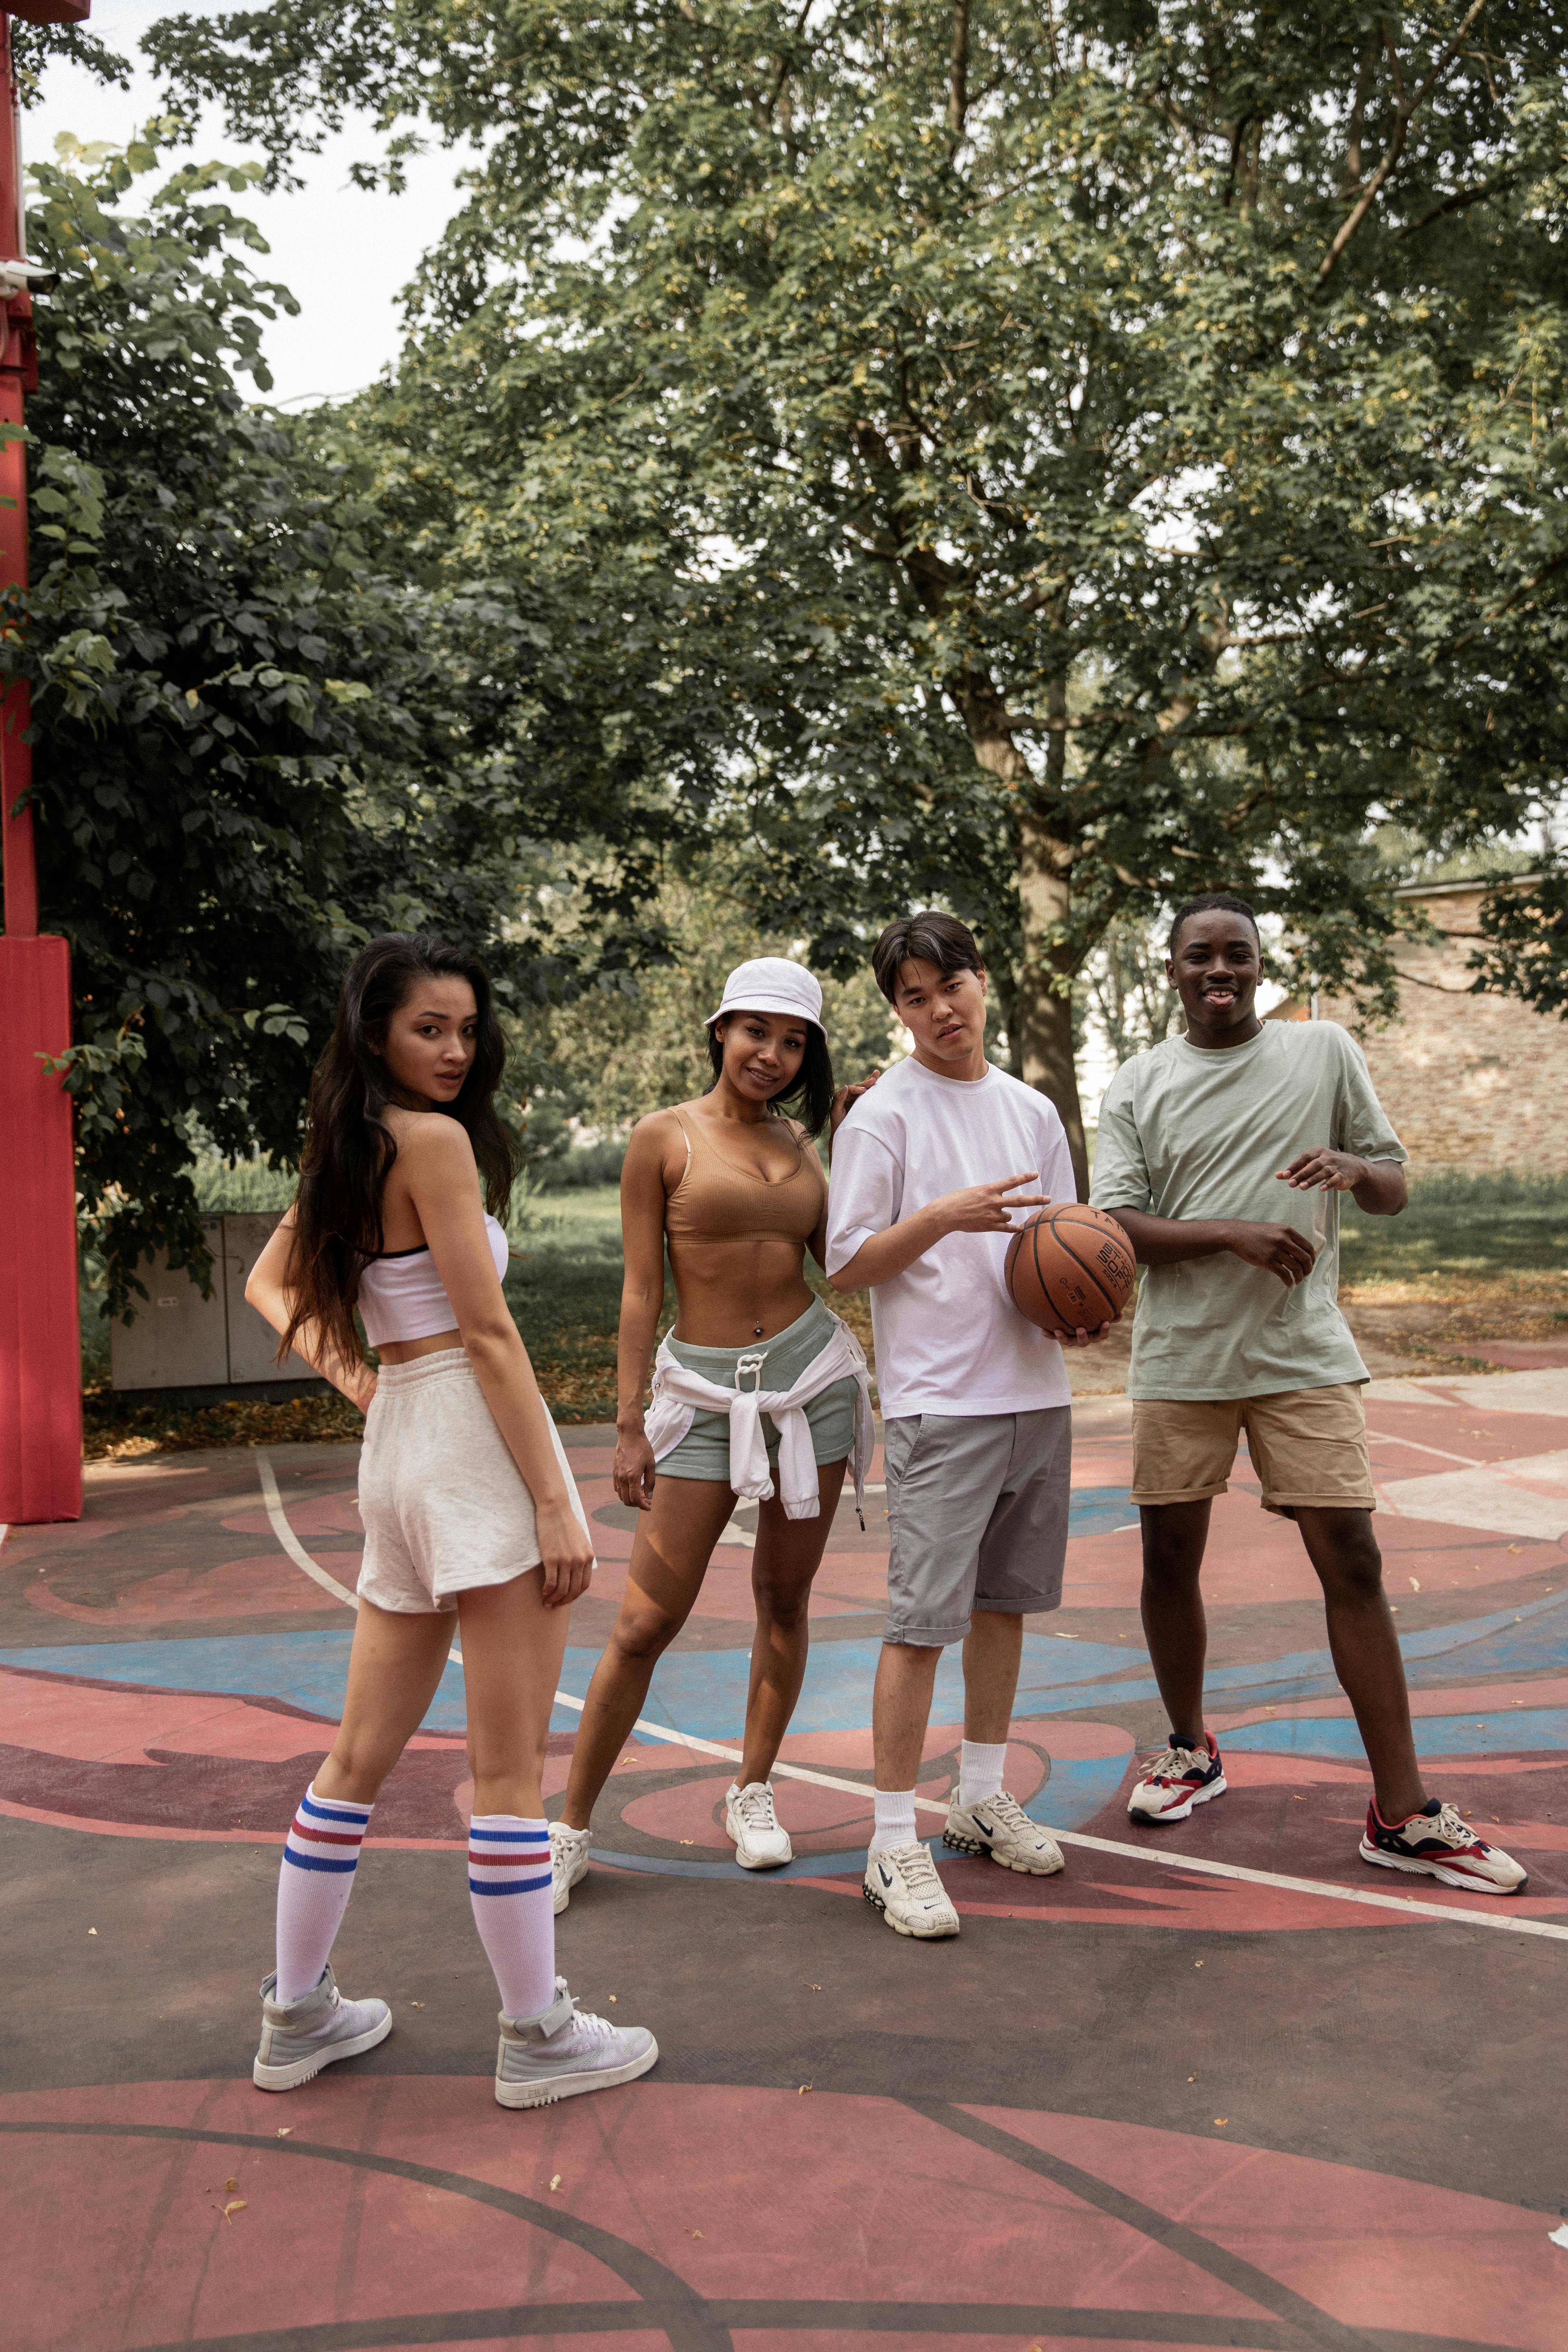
{"x": 349, "y": 1147}
{"x": 810, "y": 1091}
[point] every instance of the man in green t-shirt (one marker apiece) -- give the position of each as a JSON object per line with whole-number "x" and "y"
{"x": 1223, "y": 1154}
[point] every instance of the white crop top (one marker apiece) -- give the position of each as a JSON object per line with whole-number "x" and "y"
{"x": 400, "y": 1296}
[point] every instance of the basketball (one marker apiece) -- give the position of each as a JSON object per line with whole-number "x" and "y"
{"x": 1070, "y": 1268}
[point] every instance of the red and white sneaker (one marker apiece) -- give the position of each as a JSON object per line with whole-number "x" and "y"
{"x": 1438, "y": 1842}
{"x": 1177, "y": 1780}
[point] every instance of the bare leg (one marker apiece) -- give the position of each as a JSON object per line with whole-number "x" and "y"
{"x": 394, "y": 1664}
{"x": 900, "y": 1710}
{"x": 993, "y": 1650}
{"x": 1174, "y": 1534}
{"x": 512, "y": 1648}
{"x": 1365, "y": 1650}
{"x": 674, "y": 1543}
{"x": 787, "y": 1556}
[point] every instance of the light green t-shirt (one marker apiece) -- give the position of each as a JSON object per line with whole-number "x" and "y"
{"x": 1192, "y": 1131}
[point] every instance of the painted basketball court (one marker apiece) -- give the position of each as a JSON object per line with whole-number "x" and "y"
{"x": 1218, "y": 2084}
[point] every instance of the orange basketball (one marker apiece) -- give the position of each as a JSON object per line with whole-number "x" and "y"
{"x": 1070, "y": 1268}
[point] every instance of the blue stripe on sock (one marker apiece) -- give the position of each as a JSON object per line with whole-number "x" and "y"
{"x": 330, "y": 1813}
{"x": 510, "y": 1837}
{"x": 509, "y": 1885}
{"x": 309, "y": 1861}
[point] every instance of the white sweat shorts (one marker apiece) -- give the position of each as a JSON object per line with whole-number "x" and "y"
{"x": 444, "y": 1505}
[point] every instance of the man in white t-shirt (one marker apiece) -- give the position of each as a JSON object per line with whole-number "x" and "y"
{"x": 930, "y": 1170}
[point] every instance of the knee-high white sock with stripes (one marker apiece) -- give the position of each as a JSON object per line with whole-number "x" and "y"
{"x": 509, "y": 1883}
{"x": 314, "y": 1882}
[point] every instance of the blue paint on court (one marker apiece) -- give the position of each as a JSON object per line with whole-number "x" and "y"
{"x": 1101, "y": 1511}
{"x": 1077, "y": 1787}
{"x": 1511, "y": 1731}
{"x": 303, "y": 1670}
{"x": 703, "y": 1692}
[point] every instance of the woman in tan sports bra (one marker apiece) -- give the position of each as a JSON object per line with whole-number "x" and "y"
{"x": 737, "y": 1193}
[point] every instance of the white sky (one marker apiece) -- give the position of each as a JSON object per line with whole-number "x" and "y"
{"x": 344, "y": 254}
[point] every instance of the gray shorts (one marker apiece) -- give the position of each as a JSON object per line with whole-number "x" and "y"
{"x": 977, "y": 1508}
{"x": 704, "y": 1451}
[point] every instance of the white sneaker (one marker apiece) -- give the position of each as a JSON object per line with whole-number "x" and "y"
{"x": 566, "y": 2051}
{"x": 902, "y": 1885}
{"x": 1176, "y": 1779}
{"x": 299, "y": 2037}
{"x": 1000, "y": 1827}
{"x": 568, "y": 1863}
{"x": 749, "y": 1819}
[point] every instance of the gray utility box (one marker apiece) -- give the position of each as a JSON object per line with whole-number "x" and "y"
{"x": 181, "y": 1340}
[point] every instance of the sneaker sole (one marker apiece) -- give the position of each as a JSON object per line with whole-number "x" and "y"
{"x": 559, "y": 1901}
{"x": 304, "y": 2070}
{"x": 1435, "y": 1870}
{"x": 1180, "y": 1812}
{"x": 902, "y": 1927}
{"x": 1003, "y": 1862}
{"x": 573, "y": 2086}
{"x": 765, "y": 1862}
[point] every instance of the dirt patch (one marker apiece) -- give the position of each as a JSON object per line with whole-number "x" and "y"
{"x": 113, "y": 1432}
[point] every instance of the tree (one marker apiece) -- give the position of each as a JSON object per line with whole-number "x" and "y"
{"x": 1117, "y": 450}
{"x": 1524, "y": 950}
{"x": 258, "y": 744}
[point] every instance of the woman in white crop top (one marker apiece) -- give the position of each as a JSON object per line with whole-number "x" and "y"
{"x": 471, "y": 1516}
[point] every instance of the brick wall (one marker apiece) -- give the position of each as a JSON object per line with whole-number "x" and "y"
{"x": 1470, "y": 1082}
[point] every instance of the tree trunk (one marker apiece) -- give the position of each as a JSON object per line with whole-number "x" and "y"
{"x": 1042, "y": 1038}
{"x": 1040, "y": 1028}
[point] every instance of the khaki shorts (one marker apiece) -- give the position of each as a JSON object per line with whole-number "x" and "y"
{"x": 1308, "y": 1447}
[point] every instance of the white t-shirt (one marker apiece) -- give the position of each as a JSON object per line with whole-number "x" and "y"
{"x": 949, "y": 1339}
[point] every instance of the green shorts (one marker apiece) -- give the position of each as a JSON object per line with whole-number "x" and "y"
{"x": 704, "y": 1451}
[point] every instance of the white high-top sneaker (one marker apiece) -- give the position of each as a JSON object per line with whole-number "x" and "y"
{"x": 566, "y": 2051}
{"x": 749, "y": 1820}
{"x": 568, "y": 1863}
{"x": 299, "y": 2037}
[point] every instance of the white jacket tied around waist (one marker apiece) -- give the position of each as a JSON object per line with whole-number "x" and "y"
{"x": 680, "y": 1393}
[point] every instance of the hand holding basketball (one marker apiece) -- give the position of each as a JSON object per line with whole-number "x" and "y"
{"x": 1070, "y": 1271}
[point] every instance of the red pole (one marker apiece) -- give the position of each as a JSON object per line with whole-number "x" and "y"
{"x": 40, "y": 1342}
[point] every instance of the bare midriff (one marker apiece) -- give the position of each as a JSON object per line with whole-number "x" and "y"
{"x": 738, "y": 1240}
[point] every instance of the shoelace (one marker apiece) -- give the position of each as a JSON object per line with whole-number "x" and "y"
{"x": 1007, "y": 1809}
{"x": 593, "y": 2028}
{"x": 1170, "y": 1765}
{"x": 1451, "y": 1824}
{"x": 920, "y": 1874}
{"x": 755, "y": 1807}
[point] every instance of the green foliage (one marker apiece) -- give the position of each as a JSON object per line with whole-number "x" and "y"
{"x": 1525, "y": 935}
{"x": 1113, "y": 450}
{"x": 612, "y": 1054}
{"x": 1125, "y": 989}
{"x": 259, "y": 740}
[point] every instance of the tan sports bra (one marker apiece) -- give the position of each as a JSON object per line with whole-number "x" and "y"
{"x": 717, "y": 1200}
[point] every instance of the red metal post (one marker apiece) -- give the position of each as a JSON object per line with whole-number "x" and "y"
{"x": 40, "y": 1344}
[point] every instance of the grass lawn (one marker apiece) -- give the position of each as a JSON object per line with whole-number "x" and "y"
{"x": 1472, "y": 1258}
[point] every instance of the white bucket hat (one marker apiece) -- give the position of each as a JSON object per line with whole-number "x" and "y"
{"x": 772, "y": 984}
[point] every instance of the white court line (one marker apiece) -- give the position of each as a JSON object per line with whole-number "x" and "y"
{"x": 290, "y": 1540}
{"x": 1380, "y": 1437}
{"x": 1408, "y": 1904}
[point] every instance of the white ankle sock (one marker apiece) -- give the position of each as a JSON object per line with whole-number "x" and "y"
{"x": 895, "y": 1819}
{"x": 314, "y": 1882}
{"x": 980, "y": 1771}
{"x": 508, "y": 1883}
